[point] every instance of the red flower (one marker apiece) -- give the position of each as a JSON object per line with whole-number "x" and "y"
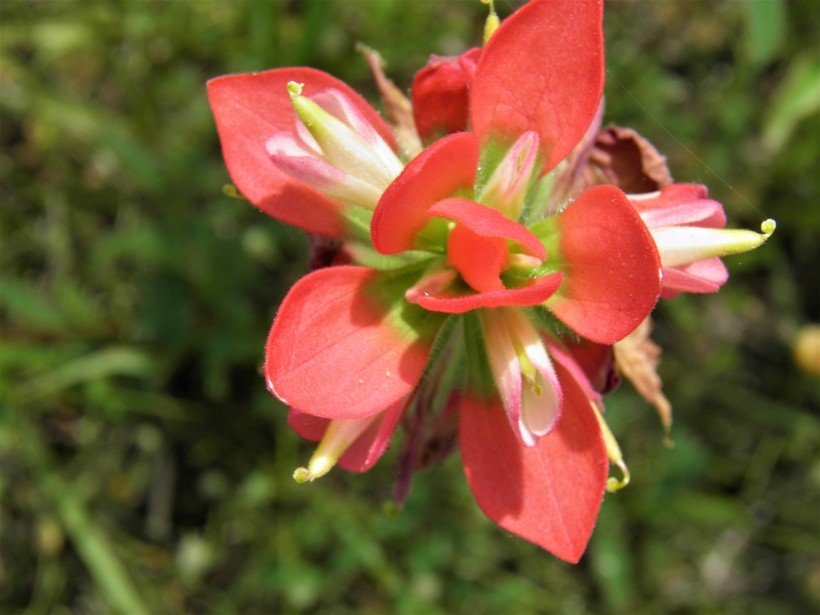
{"x": 464, "y": 270}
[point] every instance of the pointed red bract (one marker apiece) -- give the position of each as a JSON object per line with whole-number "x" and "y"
{"x": 611, "y": 266}
{"x": 542, "y": 70}
{"x": 335, "y": 351}
{"x": 535, "y": 293}
{"x": 442, "y": 170}
{"x": 250, "y": 108}
{"x": 550, "y": 493}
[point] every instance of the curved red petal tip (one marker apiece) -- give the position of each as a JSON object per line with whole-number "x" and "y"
{"x": 706, "y": 276}
{"x": 673, "y": 194}
{"x": 441, "y": 94}
{"x": 612, "y": 266}
{"x": 371, "y": 445}
{"x": 534, "y": 294}
{"x": 479, "y": 260}
{"x": 488, "y": 222}
{"x": 248, "y": 109}
{"x": 366, "y": 449}
{"x": 443, "y": 169}
{"x": 704, "y": 213}
{"x": 333, "y": 350}
{"x": 307, "y": 426}
{"x": 679, "y": 204}
{"x": 549, "y": 494}
{"x": 542, "y": 70}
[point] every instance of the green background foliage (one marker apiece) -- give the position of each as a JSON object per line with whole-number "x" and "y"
{"x": 143, "y": 465}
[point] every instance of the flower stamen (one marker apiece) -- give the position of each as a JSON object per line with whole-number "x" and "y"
{"x": 492, "y": 22}
{"x": 613, "y": 451}
{"x": 340, "y": 435}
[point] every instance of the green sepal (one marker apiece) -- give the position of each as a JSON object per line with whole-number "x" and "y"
{"x": 492, "y": 153}
{"x": 406, "y": 318}
{"x": 546, "y": 322}
{"x": 446, "y": 368}
{"x": 365, "y": 254}
{"x": 357, "y": 223}
{"x": 548, "y": 233}
{"x": 539, "y": 196}
{"x": 479, "y": 377}
{"x": 453, "y": 371}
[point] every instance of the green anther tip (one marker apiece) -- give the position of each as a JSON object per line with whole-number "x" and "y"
{"x": 295, "y": 89}
{"x": 231, "y": 191}
{"x": 391, "y": 510}
{"x": 767, "y": 226}
{"x": 613, "y": 484}
{"x": 301, "y": 475}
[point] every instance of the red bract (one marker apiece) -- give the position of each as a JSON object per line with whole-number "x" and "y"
{"x": 612, "y": 269}
{"x": 342, "y": 345}
{"x": 543, "y": 70}
{"x": 549, "y": 494}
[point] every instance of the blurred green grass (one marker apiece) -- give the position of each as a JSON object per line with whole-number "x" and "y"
{"x": 143, "y": 466}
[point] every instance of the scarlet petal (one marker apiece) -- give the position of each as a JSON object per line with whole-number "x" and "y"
{"x": 443, "y": 169}
{"x": 549, "y": 494}
{"x": 612, "y": 268}
{"x": 339, "y": 348}
{"x": 542, "y": 70}
{"x": 537, "y": 292}
{"x": 249, "y": 108}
